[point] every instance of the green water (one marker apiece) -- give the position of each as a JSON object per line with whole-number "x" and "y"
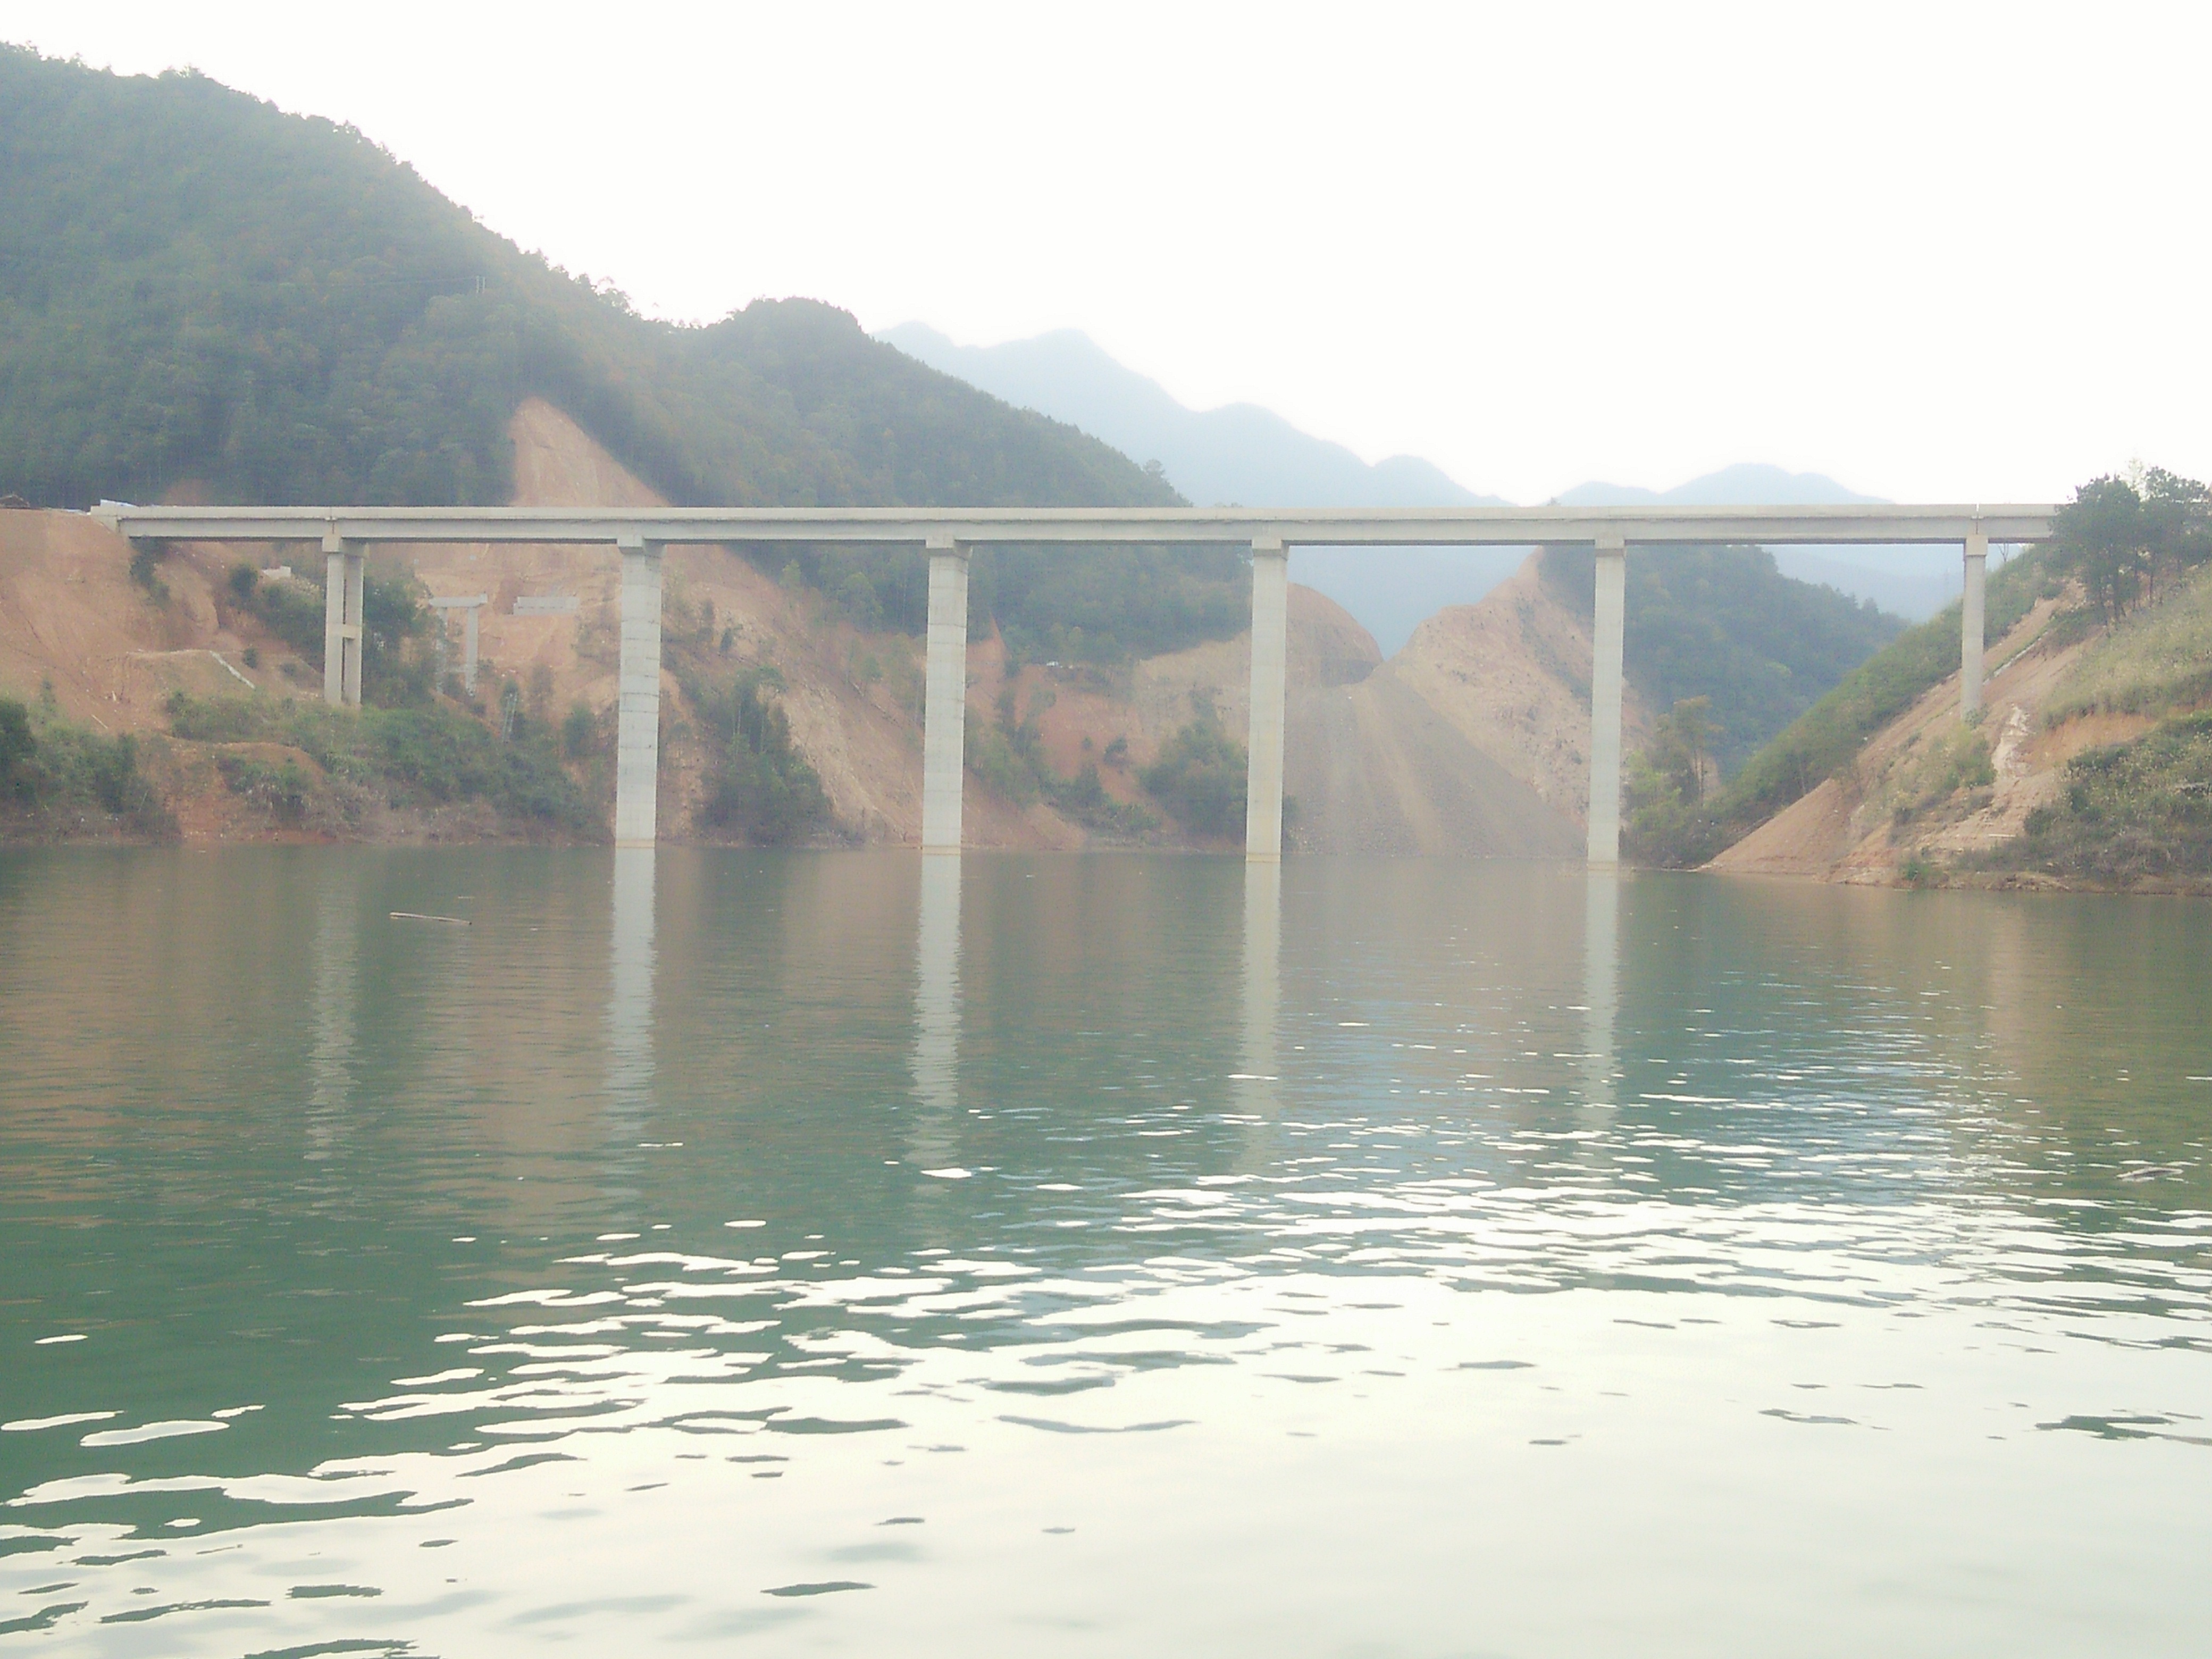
{"x": 820, "y": 1252}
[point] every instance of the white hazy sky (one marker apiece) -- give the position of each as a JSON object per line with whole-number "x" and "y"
{"x": 1938, "y": 251}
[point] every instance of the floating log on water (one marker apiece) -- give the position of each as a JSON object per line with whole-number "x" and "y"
{"x": 416, "y": 916}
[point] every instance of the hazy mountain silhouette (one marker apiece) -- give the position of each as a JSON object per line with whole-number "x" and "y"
{"x": 1238, "y": 454}
{"x": 1913, "y": 582}
{"x": 1750, "y": 484}
{"x": 1251, "y": 456}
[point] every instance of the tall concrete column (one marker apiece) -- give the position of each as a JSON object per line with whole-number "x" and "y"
{"x": 637, "y": 742}
{"x": 344, "y": 580}
{"x": 1969, "y": 623}
{"x": 470, "y": 636}
{"x": 356, "y": 587}
{"x": 1605, "y": 702}
{"x": 944, "y": 698}
{"x": 1263, "y": 785}
{"x": 334, "y": 598}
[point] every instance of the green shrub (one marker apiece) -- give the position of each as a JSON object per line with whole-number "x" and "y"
{"x": 856, "y": 598}
{"x": 580, "y": 732}
{"x": 145, "y": 563}
{"x": 54, "y": 773}
{"x": 421, "y": 756}
{"x": 1084, "y": 798}
{"x": 993, "y": 757}
{"x": 1009, "y": 756}
{"x": 758, "y": 785}
{"x": 1664, "y": 792}
{"x": 292, "y": 611}
{"x": 17, "y": 750}
{"x": 2132, "y": 811}
{"x": 1199, "y": 777}
{"x": 282, "y": 789}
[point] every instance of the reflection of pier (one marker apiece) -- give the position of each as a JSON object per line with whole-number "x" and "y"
{"x": 933, "y": 1137}
{"x": 936, "y": 986}
{"x": 934, "y": 1131}
{"x": 629, "y": 992}
{"x": 337, "y": 945}
{"x": 1601, "y": 993}
{"x": 1263, "y": 934}
{"x": 950, "y": 535}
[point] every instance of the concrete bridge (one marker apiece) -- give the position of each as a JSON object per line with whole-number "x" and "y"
{"x": 950, "y": 535}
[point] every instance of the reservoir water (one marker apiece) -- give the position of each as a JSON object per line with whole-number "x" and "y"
{"x": 829, "y": 1252}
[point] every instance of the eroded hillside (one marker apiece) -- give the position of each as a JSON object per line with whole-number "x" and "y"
{"x": 98, "y": 646}
{"x": 2071, "y": 704}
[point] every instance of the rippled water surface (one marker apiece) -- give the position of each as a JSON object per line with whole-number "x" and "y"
{"x": 1105, "y": 1255}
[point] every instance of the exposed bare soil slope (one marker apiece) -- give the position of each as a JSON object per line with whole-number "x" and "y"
{"x": 71, "y": 619}
{"x": 1512, "y": 675}
{"x": 1472, "y": 739}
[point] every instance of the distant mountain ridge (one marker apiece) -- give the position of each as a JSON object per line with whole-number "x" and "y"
{"x": 1751, "y": 483}
{"x": 1252, "y": 457}
{"x": 1239, "y": 453}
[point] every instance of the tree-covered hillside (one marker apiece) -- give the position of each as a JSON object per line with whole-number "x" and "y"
{"x": 196, "y": 288}
{"x": 1722, "y": 624}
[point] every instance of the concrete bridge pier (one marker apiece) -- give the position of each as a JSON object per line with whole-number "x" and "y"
{"x": 944, "y": 697}
{"x": 470, "y": 636}
{"x": 1970, "y": 622}
{"x": 637, "y": 742}
{"x": 1263, "y": 787}
{"x": 1606, "y": 633}
{"x": 345, "y": 580}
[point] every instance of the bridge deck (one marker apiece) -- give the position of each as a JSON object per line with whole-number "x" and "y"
{"x": 1506, "y": 526}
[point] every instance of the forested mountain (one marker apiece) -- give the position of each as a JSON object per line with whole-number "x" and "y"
{"x": 1722, "y": 624}
{"x": 197, "y": 287}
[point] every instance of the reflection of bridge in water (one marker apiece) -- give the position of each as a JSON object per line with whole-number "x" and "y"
{"x": 949, "y": 535}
